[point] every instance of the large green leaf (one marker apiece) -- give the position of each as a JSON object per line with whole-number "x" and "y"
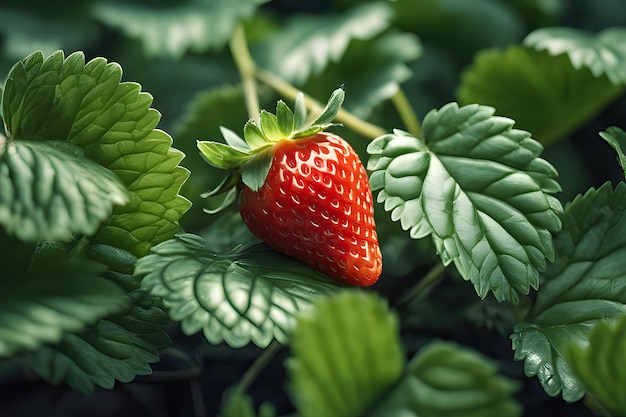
{"x": 48, "y": 194}
{"x": 42, "y": 306}
{"x": 61, "y": 98}
{"x": 250, "y": 293}
{"x": 118, "y": 347}
{"x": 445, "y": 380}
{"x": 616, "y": 137}
{"x": 545, "y": 94}
{"x": 307, "y": 44}
{"x": 586, "y": 283}
{"x": 600, "y": 366}
{"x": 479, "y": 187}
{"x": 371, "y": 71}
{"x": 603, "y": 53}
{"x": 346, "y": 355}
{"x": 196, "y": 25}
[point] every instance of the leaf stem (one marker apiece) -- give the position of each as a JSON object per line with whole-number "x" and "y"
{"x": 349, "y": 120}
{"x": 253, "y": 371}
{"x": 246, "y": 66}
{"x": 406, "y": 112}
{"x": 425, "y": 285}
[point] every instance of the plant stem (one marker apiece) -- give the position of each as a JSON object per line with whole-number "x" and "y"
{"x": 246, "y": 66}
{"x": 253, "y": 371}
{"x": 406, "y": 112}
{"x": 343, "y": 116}
{"x": 423, "y": 287}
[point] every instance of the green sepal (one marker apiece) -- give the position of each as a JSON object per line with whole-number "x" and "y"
{"x": 223, "y": 195}
{"x": 253, "y": 154}
{"x": 254, "y": 172}
{"x": 221, "y": 155}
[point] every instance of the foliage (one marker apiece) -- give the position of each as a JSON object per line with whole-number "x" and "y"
{"x": 494, "y": 135}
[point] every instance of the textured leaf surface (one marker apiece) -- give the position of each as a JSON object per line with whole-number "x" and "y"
{"x": 479, "y": 187}
{"x": 48, "y": 194}
{"x": 603, "y": 53}
{"x": 309, "y": 43}
{"x": 544, "y": 94}
{"x": 42, "y": 306}
{"x": 118, "y": 347}
{"x": 249, "y": 294}
{"x": 197, "y": 25}
{"x": 616, "y": 137}
{"x": 86, "y": 104}
{"x": 346, "y": 354}
{"x": 600, "y": 366}
{"x": 586, "y": 283}
{"x": 445, "y": 380}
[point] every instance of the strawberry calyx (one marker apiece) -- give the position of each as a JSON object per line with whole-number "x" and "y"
{"x": 250, "y": 158}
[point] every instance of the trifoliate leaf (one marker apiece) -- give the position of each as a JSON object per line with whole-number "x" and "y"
{"x": 545, "y": 94}
{"x": 197, "y": 25}
{"x": 586, "y": 283}
{"x": 600, "y": 366}
{"x": 308, "y": 44}
{"x": 249, "y": 294}
{"x": 445, "y": 380}
{"x": 48, "y": 194}
{"x": 43, "y": 305}
{"x": 85, "y": 104}
{"x": 603, "y": 53}
{"x": 479, "y": 187}
{"x": 118, "y": 347}
{"x": 346, "y": 355}
{"x": 616, "y": 137}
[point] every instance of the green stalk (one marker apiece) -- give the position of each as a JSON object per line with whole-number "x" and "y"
{"x": 246, "y": 66}
{"x": 406, "y": 112}
{"x": 425, "y": 285}
{"x": 343, "y": 116}
{"x": 257, "y": 366}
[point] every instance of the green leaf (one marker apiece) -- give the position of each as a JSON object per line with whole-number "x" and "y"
{"x": 586, "y": 283}
{"x": 249, "y": 294}
{"x": 197, "y": 25}
{"x": 544, "y": 94}
{"x": 479, "y": 187}
{"x": 372, "y": 71}
{"x": 600, "y": 366}
{"x": 309, "y": 43}
{"x": 50, "y": 195}
{"x": 603, "y": 53}
{"x": 445, "y": 380}
{"x": 43, "y": 305}
{"x": 616, "y": 137}
{"x": 118, "y": 347}
{"x": 332, "y": 108}
{"x": 87, "y": 105}
{"x": 346, "y": 355}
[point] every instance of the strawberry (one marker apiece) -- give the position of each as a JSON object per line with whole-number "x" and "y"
{"x": 305, "y": 192}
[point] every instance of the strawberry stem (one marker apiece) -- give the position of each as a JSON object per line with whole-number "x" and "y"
{"x": 343, "y": 116}
{"x": 425, "y": 285}
{"x": 246, "y": 66}
{"x": 406, "y": 113}
{"x": 257, "y": 366}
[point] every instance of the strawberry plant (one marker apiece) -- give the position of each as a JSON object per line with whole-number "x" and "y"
{"x": 343, "y": 208}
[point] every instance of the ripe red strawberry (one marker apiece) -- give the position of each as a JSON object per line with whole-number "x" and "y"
{"x": 305, "y": 192}
{"x": 316, "y": 206}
